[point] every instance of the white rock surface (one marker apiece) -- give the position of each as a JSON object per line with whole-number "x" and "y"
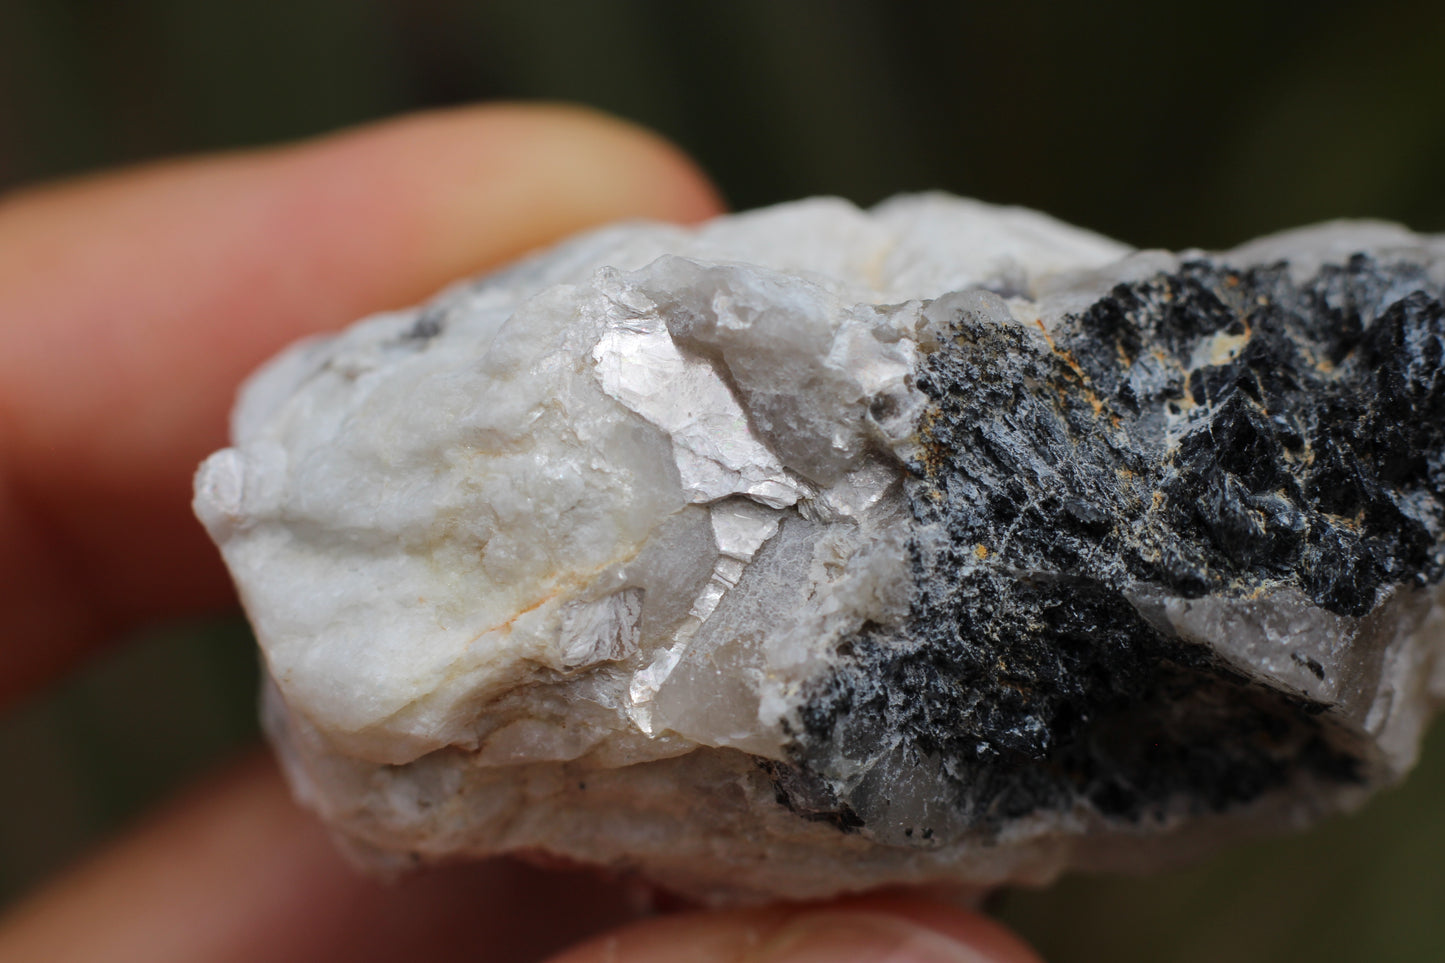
{"x": 568, "y": 559}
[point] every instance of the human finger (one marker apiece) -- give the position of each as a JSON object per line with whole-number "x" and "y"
{"x": 866, "y": 930}
{"x": 236, "y": 872}
{"x": 132, "y": 304}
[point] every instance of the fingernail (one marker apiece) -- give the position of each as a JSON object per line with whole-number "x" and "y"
{"x": 860, "y": 938}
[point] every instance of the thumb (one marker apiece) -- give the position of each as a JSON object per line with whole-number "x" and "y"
{"x": 869, "y": 930}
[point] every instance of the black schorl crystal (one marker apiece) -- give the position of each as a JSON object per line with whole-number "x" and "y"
{"x": 1208, "y": 432}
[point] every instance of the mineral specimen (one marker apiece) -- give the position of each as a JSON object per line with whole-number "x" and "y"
{"x": 817, "y": 549}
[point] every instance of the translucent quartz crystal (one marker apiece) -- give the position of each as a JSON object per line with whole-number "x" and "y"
{"x": 817, "y": 549}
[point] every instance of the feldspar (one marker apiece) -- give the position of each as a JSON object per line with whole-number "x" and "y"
{"x": 816, "y": 549}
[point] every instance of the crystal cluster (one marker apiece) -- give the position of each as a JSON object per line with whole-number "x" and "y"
{"x": 817, "y": 549}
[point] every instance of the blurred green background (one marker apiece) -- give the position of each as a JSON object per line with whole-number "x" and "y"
{"x": 1168, "y": 125}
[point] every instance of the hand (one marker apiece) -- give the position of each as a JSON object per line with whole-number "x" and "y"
{"x": 131, "y": 306}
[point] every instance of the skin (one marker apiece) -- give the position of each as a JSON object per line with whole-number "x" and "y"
{"x": 132, "y": 304}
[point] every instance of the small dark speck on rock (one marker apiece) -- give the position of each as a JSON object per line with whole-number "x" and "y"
{"x": 426, "y": 327}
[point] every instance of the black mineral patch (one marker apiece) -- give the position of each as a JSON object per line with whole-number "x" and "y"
{"x": 1213, "y": 431}
{"x": 427, "y": 326}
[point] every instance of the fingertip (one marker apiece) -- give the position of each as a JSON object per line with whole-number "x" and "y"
{"x": 984, "y": 936}
{"x": 501, "y": 180}
{"x": 866, "y": 930}
{"x": 664, "y": 182}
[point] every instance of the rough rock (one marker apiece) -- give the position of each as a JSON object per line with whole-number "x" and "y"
{"x": 817, "y": 549}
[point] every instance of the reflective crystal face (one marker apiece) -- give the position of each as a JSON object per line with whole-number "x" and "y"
{"x": 818, "y": 549}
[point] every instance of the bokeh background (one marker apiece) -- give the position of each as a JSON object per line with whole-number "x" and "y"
{"x": 1161, "y": 124}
